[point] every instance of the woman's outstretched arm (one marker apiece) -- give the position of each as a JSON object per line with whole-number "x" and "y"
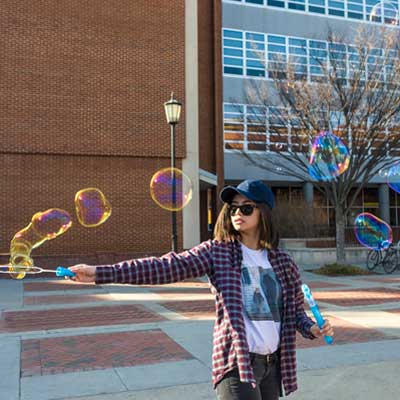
{"x": 171, "y": 267}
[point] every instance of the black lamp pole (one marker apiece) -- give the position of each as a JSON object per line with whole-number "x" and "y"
{"x": 172, "y": 111}
{"x": 174, "y": 234}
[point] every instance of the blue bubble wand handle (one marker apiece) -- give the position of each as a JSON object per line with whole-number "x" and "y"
{"x": 64, "y": 272}
{"x": 315, "y": 310}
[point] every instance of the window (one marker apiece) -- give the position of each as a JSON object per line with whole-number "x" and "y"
{"x": 336, "y": 7}
{"x": 234, "y": 130}
{"x": 317, "y": 59}
{"x": 297, "y": 5}
{"x": 277, "y": 56}
{"x": 338, "y": 60}
{"x": 278, "y": 129}
{"x": 276, "y": 3}
{"x": 374, "y": 11}
{"x": 256, "y": 128}
{"x": 298, "y": 57}
{"x": 316, "y": 6}
{"x": 355, "y": 9}
{"x": 233, "y": 52}
{"x": 255, "y": 54}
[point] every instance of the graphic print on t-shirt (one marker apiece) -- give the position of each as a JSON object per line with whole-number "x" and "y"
{"x": 261, "y": 294}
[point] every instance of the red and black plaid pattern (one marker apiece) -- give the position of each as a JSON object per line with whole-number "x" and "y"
{"x": 221, "y": 262}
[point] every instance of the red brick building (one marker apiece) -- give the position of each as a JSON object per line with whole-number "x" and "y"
{"x": 82, "y": 88}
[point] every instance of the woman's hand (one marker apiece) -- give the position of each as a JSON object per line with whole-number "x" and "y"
{"x": 326, "y": 330}
{"x": 84, "y": 273}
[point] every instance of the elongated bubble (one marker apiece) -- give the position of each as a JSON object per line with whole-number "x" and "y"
{"x": 45, "y": 225}
{"x": 92, "y": 207}
{"x": 329, "y": 157}
{"x": 372, "y": 232}
{"x": 162, "y": 191}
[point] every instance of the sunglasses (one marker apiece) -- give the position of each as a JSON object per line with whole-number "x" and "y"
{"x": 245, "y": 209}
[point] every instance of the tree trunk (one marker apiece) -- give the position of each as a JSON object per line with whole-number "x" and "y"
{"x": 340, "y": 232}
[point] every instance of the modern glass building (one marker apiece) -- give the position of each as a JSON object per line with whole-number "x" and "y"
{"x": 258, "y": 33}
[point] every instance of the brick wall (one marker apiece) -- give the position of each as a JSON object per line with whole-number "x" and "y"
{"x": 82, "y": 87}
{"x": 136, "y": 224}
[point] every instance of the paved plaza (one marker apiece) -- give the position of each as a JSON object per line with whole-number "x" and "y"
{"x": 60, "y": 340}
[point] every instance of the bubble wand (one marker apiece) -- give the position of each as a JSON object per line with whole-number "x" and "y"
{"x": 59, "y": 271}
{"x": 315, "y": 310}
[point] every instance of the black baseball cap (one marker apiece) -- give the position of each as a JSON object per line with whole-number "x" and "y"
{"x": 252, "y": 189}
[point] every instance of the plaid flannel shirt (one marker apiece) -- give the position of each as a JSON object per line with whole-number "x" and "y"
{"x": 221, "y": 262}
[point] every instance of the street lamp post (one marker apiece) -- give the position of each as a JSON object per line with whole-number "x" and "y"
{"x": 173, "y": 112}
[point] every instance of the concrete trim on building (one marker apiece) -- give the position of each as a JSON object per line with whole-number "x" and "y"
{"x": 190, "y": 164}
{"x": 208, "y": 177}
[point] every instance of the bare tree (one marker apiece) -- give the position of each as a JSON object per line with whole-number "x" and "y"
{"x": 352, "y": 90}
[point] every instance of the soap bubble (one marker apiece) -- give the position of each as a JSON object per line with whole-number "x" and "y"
{"x": 372, "y": 232}
{"x": 92, "y": 207}
{"x": 385, "y": 12}
{"x": 329, "y": 157}
{"x": 161, "y": 189}
{"x": 51, "y": 223}
{"x": 393, "y": 177}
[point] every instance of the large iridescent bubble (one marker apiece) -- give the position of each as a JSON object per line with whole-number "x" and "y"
{"x": 161, "y": 189}
{"x": 372, "y": 232}
{"x": 393, "y": 177}
{"x": 92, "y": 207}
{"x": 329, "y": 157}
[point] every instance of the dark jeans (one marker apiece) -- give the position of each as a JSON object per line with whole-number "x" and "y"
{"x": 268, "y": 379}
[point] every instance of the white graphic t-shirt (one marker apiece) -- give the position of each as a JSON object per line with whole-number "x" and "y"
{"x": 262, "y": 301}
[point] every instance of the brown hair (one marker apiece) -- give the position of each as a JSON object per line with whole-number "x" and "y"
{"x": 269, "y": 236}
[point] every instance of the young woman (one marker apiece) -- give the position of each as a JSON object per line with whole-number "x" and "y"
{"x": 257, "y": 288}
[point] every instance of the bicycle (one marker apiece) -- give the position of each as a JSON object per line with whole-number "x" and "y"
{"x": 387, "y": 256}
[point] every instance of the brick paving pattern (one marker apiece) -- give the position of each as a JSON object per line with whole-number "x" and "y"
{"x": 184, "y": 293}
{"x": 345, "y": 332}
{"x": 19, "y": 321}
{"x": 323, "y": 284}
{"x": 196, "y": 309}
{"x": 81, "y": 353}
{"x": 359, "y": 297}
{"x": 382, "y": 280}
{"x": 66, "y": 299}
{"x": 57, "y": 285}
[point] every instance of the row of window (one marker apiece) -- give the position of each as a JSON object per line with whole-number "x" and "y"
{"x": 255, "y": 54}
{"x": 366, "y": 201}
{"x": 253, "y": 128}
{"x": 384, "y": 12}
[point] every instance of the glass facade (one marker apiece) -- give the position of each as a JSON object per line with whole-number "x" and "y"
{"x": 360, "y": 10}
{"x": 253, "y": 54}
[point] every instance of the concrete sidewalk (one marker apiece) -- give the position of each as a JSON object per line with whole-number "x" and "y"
{"x": 60, "y": 340}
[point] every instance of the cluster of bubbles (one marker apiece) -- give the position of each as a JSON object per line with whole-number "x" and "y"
{"x": 171, "y": 189}
{"x": 329, "y": 157}
{"x": 385, "y": 12}
{"x": 92, "y": 209}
